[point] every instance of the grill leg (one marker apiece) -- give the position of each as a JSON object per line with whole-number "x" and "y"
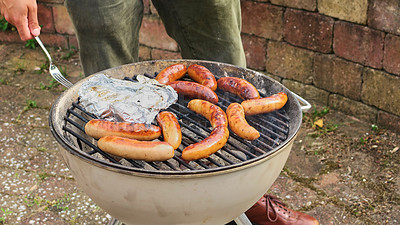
{"x": 242, "y": 220}
{"x": 115, "y": 222}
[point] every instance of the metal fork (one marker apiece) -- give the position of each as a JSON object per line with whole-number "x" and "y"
{"x": 54, "y": 71}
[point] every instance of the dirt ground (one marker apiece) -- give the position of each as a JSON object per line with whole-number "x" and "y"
{"x": 341, "y": 170}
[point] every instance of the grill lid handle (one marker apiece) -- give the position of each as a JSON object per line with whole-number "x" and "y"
{"x": 306, "y": 105}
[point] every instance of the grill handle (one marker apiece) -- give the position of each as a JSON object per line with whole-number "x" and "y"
{"x": 305, "y": 106}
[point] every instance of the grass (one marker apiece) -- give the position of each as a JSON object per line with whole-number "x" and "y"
{"x": 317, "y": 120}
{"x": 31, "y": 44}
{"x": 60, "y": 204}
{"x": 29, "y": 105}
{"x": 5, "y": 213}
{"x": 53, "y": 83}
{"x": 4, "y": 25}
{"x": 70, "y": 52}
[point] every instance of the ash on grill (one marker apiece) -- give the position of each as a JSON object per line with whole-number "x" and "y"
{"x": 273, "y": 128}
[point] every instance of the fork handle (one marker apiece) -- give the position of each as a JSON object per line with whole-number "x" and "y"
{"x": 44, "y": 48}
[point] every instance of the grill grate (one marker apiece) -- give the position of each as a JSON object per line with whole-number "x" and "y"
{"x": 273, "y": 128}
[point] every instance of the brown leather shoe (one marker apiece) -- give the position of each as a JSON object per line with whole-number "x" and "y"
{"x": 270, "y": 211}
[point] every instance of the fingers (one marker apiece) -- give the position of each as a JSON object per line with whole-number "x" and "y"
{"x": 33, "y": 22}
{"x": 23, "y": 15}
{"x": 23, "y": 29}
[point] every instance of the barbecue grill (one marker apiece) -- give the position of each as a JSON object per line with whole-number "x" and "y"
{"x": 214, "y": 190}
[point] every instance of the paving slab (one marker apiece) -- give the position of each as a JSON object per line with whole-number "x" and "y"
{"x": 345, "y": 172}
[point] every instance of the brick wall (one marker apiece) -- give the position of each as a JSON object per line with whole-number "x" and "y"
{"x": 341, "y": 53}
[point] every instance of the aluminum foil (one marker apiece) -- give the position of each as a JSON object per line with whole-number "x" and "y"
{"x": 120, "y": 100}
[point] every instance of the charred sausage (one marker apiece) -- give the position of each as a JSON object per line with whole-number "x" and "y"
{"x": 170, "y": 127}
{"x": 134, "y": 149}
{"x": 264, "y": 105}
{"x": 202, "y": 75}
{"x": 171, "y": 73}
{"x": 99, "y": 128}
{"x": 217, "y": 139}
{"x": 239, "y": 87}
{"x": 238, "y": 124}
{"x": 194, "y": 90}
{"x": 211, "y": 112}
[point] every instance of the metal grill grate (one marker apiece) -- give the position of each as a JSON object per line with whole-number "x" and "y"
{"x": 273, "y": 128}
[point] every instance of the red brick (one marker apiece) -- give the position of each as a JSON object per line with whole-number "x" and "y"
{"x": 384, "y": 15}
{"x": 73, "y": 42}
{"x": 153, "y": 9}
{"x": 338, "y": 76}
{"x": 153, "y": 34}
{"x": 391, "y": 59}
{"x": 255, "y": 49}
{"x": 144, "y": 53}
{"x": 299, "y": 4}
{"x": 10, "y": 36}
{"x": 54, "y": 40}
{"x": 358, "y": 43}
{"x": 161, "y": 54}
{"x": 62, "y": 20}
{"x": 290, "y": 62}
{"x": 309, "y": 30}
{"x": 262, "y": 20}
{"x": 146, "y": 6}
{"x": 45, "y": 17}
{"x": 382, "y": 90}
{"x": 389, "y": 121}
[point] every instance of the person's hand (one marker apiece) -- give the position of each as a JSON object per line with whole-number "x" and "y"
{"x": 23, "y": 15}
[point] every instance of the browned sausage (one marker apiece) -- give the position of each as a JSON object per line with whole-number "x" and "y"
{"x": 202, "y": 75}
{"x": 170, "y": 128}
{"x": 100, "y": 128}
{"x": 171, "y": 73}
{"x": 217, "y": 139}
{"x": 264, "y": 105}
{"x": 238, "y": 123}
{"x": 239, "y": 87}
{"x": 194, "y": 90}
{"x": 213, "y": 113}
{"x": 134, "y": 149}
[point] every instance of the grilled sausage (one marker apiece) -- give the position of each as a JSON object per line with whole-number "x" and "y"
{"x": 238, "y": 124}
{"x": 100, "y": 128}
{"x": 264, "y": 105}
{"x": 194, "y": 90}
{"x": 171, "y": 73}
{"x": 202, "y": 75}
{"x": 239, "y": 87}
{"x": 217, "y": 139}
{"x": 134, "y": 149}
{"x": 211, "y": 112}
{"x": 170, "y": 128}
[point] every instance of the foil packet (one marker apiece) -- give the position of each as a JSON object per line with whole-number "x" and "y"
{"x": 125, "y": 101}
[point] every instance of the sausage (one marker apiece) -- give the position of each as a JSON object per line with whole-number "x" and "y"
{"x": 239, "y": 87}
{"x": 134, "y": 149}
{"x": 238, "y": 124}
{"x": 264, "y": 105}
{"x": 202, "y": 75}
{"x": 217, "y": 139}
{"x": 170, "y": 127}
{"x": 194, "y": 90}
{"x": 171, "y": 73}
{"x": 99, "y": 128}
{"x": 211, "y": 112}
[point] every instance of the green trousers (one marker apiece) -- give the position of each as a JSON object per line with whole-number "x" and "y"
{"x": 108, "y": 30}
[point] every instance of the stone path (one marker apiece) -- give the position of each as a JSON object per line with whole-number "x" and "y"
{"x": 343, "y": 173}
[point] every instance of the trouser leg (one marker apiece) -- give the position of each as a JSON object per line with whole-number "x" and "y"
{"x": 204, "y": 29}
{"x": 107, "y": 31}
